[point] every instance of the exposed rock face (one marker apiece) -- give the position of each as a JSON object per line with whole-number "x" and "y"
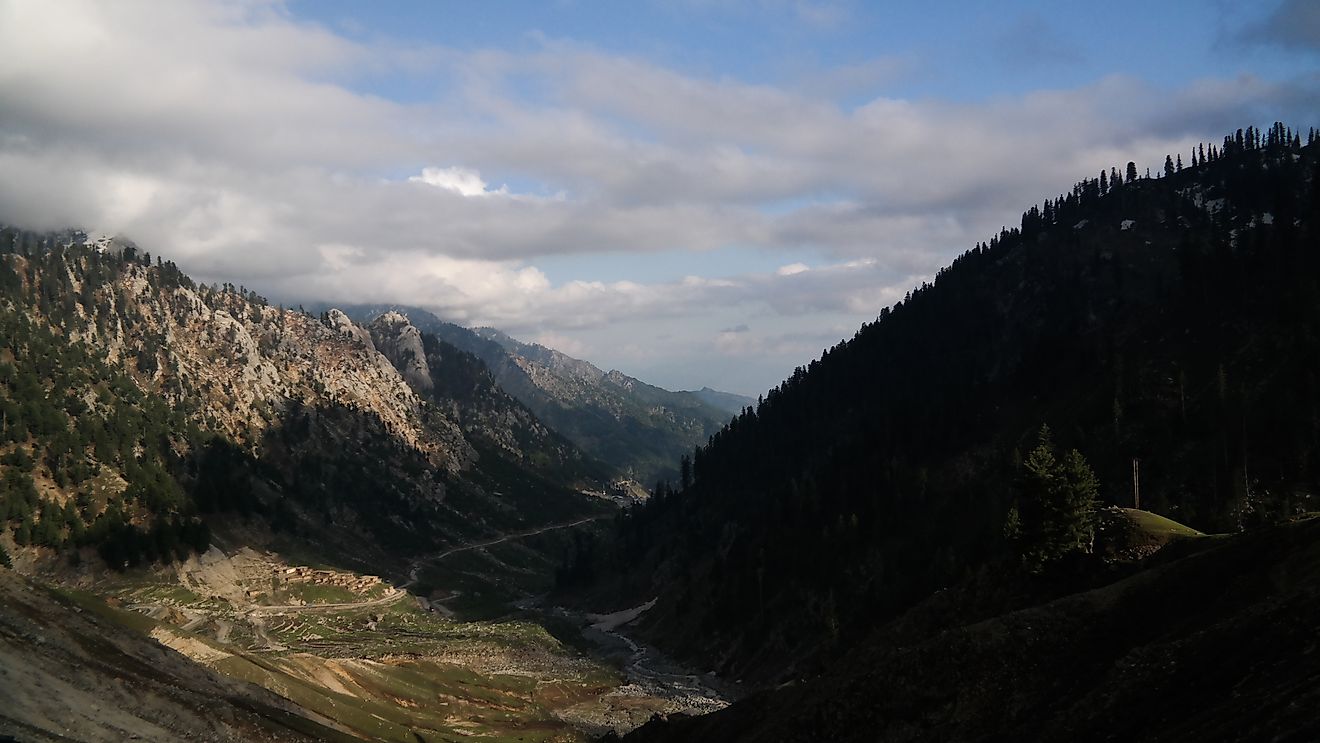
{"x": 183, "y": 401}
{"x": 638, "y": 427}
{"x": 635, "y": 428}
{"x": 460, "y": 386}
{"x": 402, "y": 345}
{"x": 341, "y": 322}
{"x": 245, "y": 363}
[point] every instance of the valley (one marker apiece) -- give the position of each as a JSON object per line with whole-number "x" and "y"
{"x": 1066, "y": 491}
{"x": 378, "y": 661}
{"x": 715, "y": 371}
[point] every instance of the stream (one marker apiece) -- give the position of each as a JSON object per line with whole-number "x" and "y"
{"x": 653, "y": 683}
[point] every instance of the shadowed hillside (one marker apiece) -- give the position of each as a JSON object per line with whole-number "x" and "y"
{"x": 1216, "y": 646}
{"x": 638, "y": 429}
{"x": 1166, "y": 320}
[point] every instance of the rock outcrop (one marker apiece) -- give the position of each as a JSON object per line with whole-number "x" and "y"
{"x": 401, "y": 343}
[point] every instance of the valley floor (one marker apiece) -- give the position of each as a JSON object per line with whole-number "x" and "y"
{"x": 444, "y": 656}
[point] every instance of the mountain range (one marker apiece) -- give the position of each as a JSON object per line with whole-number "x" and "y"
{"x": 171, "y": 400}
{"x": 1066, "y": 490}
{"x": 638, "y": 430}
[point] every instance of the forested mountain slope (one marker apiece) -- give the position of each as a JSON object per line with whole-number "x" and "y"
{"x": 134, "y": 402}
{"x": 632, "y": 426}
{"x": 1171, "y": 320}
{"x": 1216, "y": 646}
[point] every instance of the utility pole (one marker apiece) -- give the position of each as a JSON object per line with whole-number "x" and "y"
{"x": 1136, "y": 483}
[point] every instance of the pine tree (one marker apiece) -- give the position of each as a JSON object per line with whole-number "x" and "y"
{"x": 1055, "y": 512}
{"x": 23, "y": 534}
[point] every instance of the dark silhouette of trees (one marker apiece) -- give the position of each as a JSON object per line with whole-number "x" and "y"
{"x": 1168, "y": 320}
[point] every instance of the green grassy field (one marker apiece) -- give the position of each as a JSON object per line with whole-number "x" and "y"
{"x": 1155, "y": 525}
{"x": 1127, "y": 534}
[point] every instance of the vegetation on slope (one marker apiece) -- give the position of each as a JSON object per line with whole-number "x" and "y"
{"x": 1165, "y": 320}
{"x": 638, "y": 429}
{"x": 71, "y": 424}
{"x": 133, "y": 402}
{"x": 460, "y": 384}
{"x": 1216, "y": 646}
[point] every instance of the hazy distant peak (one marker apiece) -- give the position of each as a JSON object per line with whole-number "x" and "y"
{"x": 727, "y": 401}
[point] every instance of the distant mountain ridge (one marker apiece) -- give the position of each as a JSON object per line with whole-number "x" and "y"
{"x": 730, "y": 402}
{"x": 459, "y": 383}
{"x": 633, "y": 426}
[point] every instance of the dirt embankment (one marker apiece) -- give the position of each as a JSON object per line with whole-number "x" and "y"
{"x": 69, "y": 674}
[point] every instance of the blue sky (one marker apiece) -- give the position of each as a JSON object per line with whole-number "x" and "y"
{"x": 953, "y": 50}
{"x": 697, "y": 192}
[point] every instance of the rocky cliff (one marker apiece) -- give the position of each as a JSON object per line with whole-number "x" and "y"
{"x": 460, "y": 385}
{"x": 169, "y": 400}
{"x": 638, "y": 430}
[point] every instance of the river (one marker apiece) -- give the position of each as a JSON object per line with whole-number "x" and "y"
{"x": 652, "y": 682}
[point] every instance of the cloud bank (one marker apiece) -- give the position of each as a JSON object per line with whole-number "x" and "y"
{"x": 248, "y": 146}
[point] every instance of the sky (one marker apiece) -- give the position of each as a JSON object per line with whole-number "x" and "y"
{"x": 694, "y": 192}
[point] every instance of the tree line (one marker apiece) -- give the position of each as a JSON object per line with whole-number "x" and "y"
{"x": 1168, "y": 319}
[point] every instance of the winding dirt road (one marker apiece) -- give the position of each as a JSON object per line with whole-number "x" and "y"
{"x": 255, "y": 615}
{"x": 394, "y": 594}
{"x": 420, "y": 562}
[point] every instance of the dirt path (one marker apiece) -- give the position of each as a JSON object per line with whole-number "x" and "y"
{"x": 392, "y": 596}
{"x": 415, "y": 568}
{"x": 395, "y": 594}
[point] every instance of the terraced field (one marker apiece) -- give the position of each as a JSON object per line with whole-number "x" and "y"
{"x": 450, "y": 658}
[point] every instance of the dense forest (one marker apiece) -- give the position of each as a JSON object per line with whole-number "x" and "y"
{"x": 81, "y": 426}
{"x": 1166, "y": 328}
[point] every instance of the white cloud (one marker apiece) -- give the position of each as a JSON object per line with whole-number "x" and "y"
{"x": 236, "y": 140}
{"x": 566, "y": 344}
{"x": 462, "y": 181}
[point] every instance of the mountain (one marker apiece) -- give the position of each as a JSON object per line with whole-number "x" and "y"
{"x": 138, "y": 406}
{"x": 1065, "y": 491}
{"x": 726, "y": 401}
{"x": 1164, "y": 329}
{"x": 459, "y": 384}
{"x": 638, "y": 429}
{"x": 223, "y": 520}
{"x": 1196, "y": 649}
